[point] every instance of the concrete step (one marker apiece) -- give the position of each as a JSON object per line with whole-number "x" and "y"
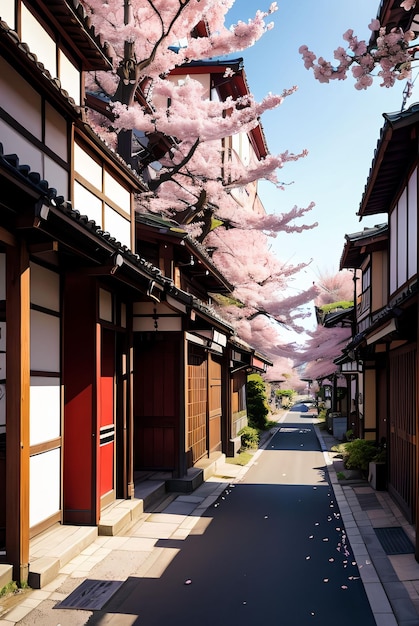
{"x": 149, "y": 491}
{"x": 120, "y": 514}
{"x": 6, "y": 573}
{"x": 195, "y": 476}
{"x": 54, "y": 548}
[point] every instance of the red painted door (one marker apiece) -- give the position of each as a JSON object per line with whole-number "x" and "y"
{"x": 106, "y": 407}
{"x": 157, "y": 374}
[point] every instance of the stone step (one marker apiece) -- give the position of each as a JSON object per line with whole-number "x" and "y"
{"x": 50, "y": 551}
{"x": 120, "y": 514}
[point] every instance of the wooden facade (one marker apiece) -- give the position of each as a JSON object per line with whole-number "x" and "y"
{"x": 140, "y": 371}
{"x": 66, "y": 420}
{"x": 384, "y": 343}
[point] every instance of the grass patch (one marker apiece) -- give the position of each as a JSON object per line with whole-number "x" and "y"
{"x": 340, "y": 448}
{"x": 242, "y": 458}
{"x": 8, "y": 589}
{"x": 341, "y": 476}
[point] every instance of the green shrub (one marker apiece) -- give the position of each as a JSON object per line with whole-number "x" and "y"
{"x": 358, "y": 453}
{"x": 257, "y": 406}
{"x": 349, "y": 435}
{"x": 322, "y": 415}
{"x": 249, "y": 437}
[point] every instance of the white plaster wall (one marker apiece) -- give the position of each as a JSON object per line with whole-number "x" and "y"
{"x": 87, "y": 203}
{"x": 56, "y": 132}
{"x": 38, "y": 40}
{"x": 20, "y": 100}
{"x": 7, "y": 12}
{"x": 69, "y": 77}
{"x": 45, "y": 342}
{"x": 87, "y": 167}
{"x": 105, "y": 305}
{"x": 45, "y": 403}
{"x": 45, "y": 486}
{"x": 118, "y": 226}
{"x": 117, "y": 193}
{"x": 45, "y": 287}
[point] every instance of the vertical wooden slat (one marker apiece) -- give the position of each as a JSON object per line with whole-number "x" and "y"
{"x": 17, "y": 420}
{"x": 402, "y": 414}
{"x": 197, "y": 403}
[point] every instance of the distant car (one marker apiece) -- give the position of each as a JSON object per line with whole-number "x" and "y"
{"x": 300, "y": 407}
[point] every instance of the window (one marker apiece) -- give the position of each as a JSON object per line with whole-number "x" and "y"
{"x": 101, "y": 196}
{"x": 403, "y": 236}
{"x": 56, "y": 61}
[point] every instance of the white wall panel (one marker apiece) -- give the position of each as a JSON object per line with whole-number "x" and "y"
{"x": 69, "y": 77}
{"x": 402, "y": 240}
{"x": 45, "y": 342}
{"x": 412, "y": 213}
{"x": 56, "y": 132}
{"x": 117, "y": 193}
{"x": 45, "y": 486}
{"x": 87, "y": 203}
{"x": 87, "y": 167}
{"x": 7, "y": 12}
{"x": 105, "y": 305}
{"x": 148, "y": 324}
{"x": 13, "y": 143}
{"x": 39, "y": 41}
{"x": 57, "y": 176}
{"x": 45, "y": 403}
{"x": 45, "y": 287}
{"x": 393, "y": 251}
{"x": 118, "y": 226}
{"x": 20, "y": 100}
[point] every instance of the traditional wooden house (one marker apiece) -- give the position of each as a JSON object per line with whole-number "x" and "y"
{"x": 178, "y": 425}
{"x": 385, "y": 341}
{"x": 178, "y": 431}
{"x": 392, "y": 188}
{"x": 366, "y": 253}
{"x": 69, "y": 283}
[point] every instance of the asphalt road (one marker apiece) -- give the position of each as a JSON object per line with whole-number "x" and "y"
{"x": 271, "y": 551}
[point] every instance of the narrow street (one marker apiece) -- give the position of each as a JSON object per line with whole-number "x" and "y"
{"x": 272, "y": 549}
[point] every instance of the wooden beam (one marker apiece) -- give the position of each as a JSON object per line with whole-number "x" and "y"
{"x": 7, "y": 237}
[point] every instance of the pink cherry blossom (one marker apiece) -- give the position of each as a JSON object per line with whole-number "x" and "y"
{"x": 408, "y": 4}
{"x": 200, "y": 181}
{"x": 391, "y": 47}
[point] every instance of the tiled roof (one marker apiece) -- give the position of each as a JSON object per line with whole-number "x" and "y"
{"x": 50, "y": 197}
{"x": 176, "y": 230}
{"x": 14, "y": 40}
{"x": 82, "y": 31}
{"x": 359, "y": 244}
{"x": 395, "y": 151}
{"x": 207, "y": 310}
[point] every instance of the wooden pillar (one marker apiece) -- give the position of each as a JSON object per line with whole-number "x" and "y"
{"x": 17, "y": 402}
{"x": 80, "y": 410}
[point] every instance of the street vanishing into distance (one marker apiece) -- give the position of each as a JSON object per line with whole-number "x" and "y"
{"x": 272, "y": 550}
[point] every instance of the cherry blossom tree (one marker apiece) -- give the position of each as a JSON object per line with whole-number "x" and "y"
{"x": 335, "y": 287}
{"x": 143, "y": 104}
{"x": 325, "y": 344}
{"x": 389, "y": 51}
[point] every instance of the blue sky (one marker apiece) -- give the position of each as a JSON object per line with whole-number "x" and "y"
{"x": 337, "y": 124}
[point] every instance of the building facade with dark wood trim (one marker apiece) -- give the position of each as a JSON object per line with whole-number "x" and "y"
{"x": 385, "y": 341}
{"x": 69, "y": 283}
